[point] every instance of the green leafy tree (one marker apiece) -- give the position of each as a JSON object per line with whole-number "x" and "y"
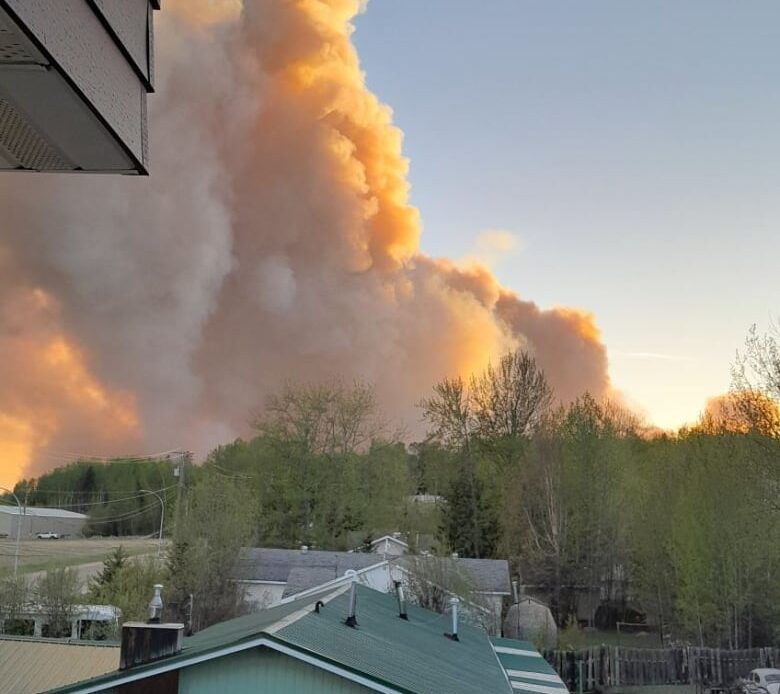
{"x": 58, "y": 592}
{"x": 206, "y": 550}
{"x": 125, "y": 583}
{"x": 14, "y": 597}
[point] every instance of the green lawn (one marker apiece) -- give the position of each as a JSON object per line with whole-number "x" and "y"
{"x": 42, "y": 555}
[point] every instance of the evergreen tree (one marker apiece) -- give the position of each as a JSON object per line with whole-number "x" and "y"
{"x": 469, "y": 522}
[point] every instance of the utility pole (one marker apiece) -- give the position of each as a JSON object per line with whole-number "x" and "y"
{"x": 185, "y": 458}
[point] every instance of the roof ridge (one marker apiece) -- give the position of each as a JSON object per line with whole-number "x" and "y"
{"x": 305, "y": 610}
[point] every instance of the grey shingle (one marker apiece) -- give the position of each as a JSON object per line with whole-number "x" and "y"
{"x": 488, "y": 575}
{"x": 260, "y": 564}
{"x": 305, "y": 577}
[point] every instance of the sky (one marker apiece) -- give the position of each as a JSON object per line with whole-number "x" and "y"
{"x": 632, "y": 151}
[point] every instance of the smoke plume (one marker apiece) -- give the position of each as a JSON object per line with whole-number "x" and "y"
{"x": 274, "y": 241}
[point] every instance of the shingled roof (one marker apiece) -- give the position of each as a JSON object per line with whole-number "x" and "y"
{"x": 260, "y": 564}
{"x": 303, "y": 570}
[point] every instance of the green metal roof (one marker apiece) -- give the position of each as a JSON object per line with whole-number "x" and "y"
{"x": 527, "y": 670}
{"x": 404, "y": 656}
{"x": 412, "y": 655}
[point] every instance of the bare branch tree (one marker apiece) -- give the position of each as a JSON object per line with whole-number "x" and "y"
{"x": 323, "y": 419}
{"x": 757, "y": 368}
{"x": 449, "y": 413}
{"x": 509, "y": 400}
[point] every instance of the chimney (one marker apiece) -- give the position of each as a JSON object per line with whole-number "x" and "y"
{"x": 351, "y": 620}
{"x": 156, "y": 605}
{"x": 144, "y": 643}
{"x": 399, "y": 590}
{"x": 454, "y": 602}
{"x": 515, "y": 594}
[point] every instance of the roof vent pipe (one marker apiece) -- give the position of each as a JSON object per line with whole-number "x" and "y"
{"x": 399, "y": 589}
{"x": 454, "y": 602}
{"x": 156, "y": 605}
{"x": 351, "y": 620}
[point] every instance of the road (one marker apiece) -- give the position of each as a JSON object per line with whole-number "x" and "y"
{"x": 87, "y": 554}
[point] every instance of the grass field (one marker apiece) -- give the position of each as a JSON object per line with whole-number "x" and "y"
{"x": 573, "y": 639}
{"x": 41, "y": 555}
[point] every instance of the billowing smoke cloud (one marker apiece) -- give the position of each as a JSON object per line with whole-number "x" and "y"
{"x": 274, "y": 241}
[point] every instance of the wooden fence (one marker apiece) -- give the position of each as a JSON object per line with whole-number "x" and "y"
{"x": 602, "y": 667}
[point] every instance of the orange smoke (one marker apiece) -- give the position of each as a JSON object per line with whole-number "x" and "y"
{"x": 49, "y": 392}
{"x": 274, "y": 241}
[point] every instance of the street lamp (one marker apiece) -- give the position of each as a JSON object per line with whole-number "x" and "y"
{"x": 18, "y": 528}
{"x": 162, "y": 517}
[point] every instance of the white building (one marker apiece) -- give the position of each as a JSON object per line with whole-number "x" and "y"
{"x": 36, "y": 520}
{"x": 74, "y": 75}
{"x": 390, "y": 546}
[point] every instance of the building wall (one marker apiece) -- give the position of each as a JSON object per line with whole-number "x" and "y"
{"x": 31, "y": 525}
{"x": 260, "y": 671}
{"x": 261, "y": 595}
{"x": 7, "y": 526}
{"x": 131, "y": 21}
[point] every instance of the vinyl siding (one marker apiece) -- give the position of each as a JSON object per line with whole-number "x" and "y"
{"x": 260, "y": 671}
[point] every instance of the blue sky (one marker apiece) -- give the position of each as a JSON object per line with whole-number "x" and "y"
{"x": 633, "y": 149}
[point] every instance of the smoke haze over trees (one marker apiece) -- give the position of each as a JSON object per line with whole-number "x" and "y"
{"x": 273, "y": 241}
{"x": 683, "y": 528}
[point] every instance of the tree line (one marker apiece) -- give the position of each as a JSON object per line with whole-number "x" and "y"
{"x": 603, "y": 518}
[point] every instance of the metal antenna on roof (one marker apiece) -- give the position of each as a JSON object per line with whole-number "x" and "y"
{"x": 399, "y": 589}
{"x": 454, "y": 602}
{"x": 351, "y": 620}
{"x": 156, "y": 605}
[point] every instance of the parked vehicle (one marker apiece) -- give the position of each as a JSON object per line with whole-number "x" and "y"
{"x": 767, "y": 677}
{"x": 48, "y": 535}
{"x": 746, "y": 686}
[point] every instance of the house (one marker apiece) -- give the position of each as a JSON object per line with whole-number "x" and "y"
{"x": 39, "y": 520}
{"x": 389, "y": 545}
{"x": 29, "y": 666}
{"x": 74, "y": 78}
{"x": 310, "y": 644}
{"x": 271, "y": 576}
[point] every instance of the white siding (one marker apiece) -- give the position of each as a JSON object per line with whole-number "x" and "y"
{"x": 261, "y": 595}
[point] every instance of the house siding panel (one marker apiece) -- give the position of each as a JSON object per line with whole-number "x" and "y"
{"x": 76, "y": 40}
{"x": 260, "y": 671}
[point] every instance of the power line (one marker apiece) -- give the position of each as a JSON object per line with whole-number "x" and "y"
{"x": 108, "y": 501}
{"x": 75, "y": 457}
